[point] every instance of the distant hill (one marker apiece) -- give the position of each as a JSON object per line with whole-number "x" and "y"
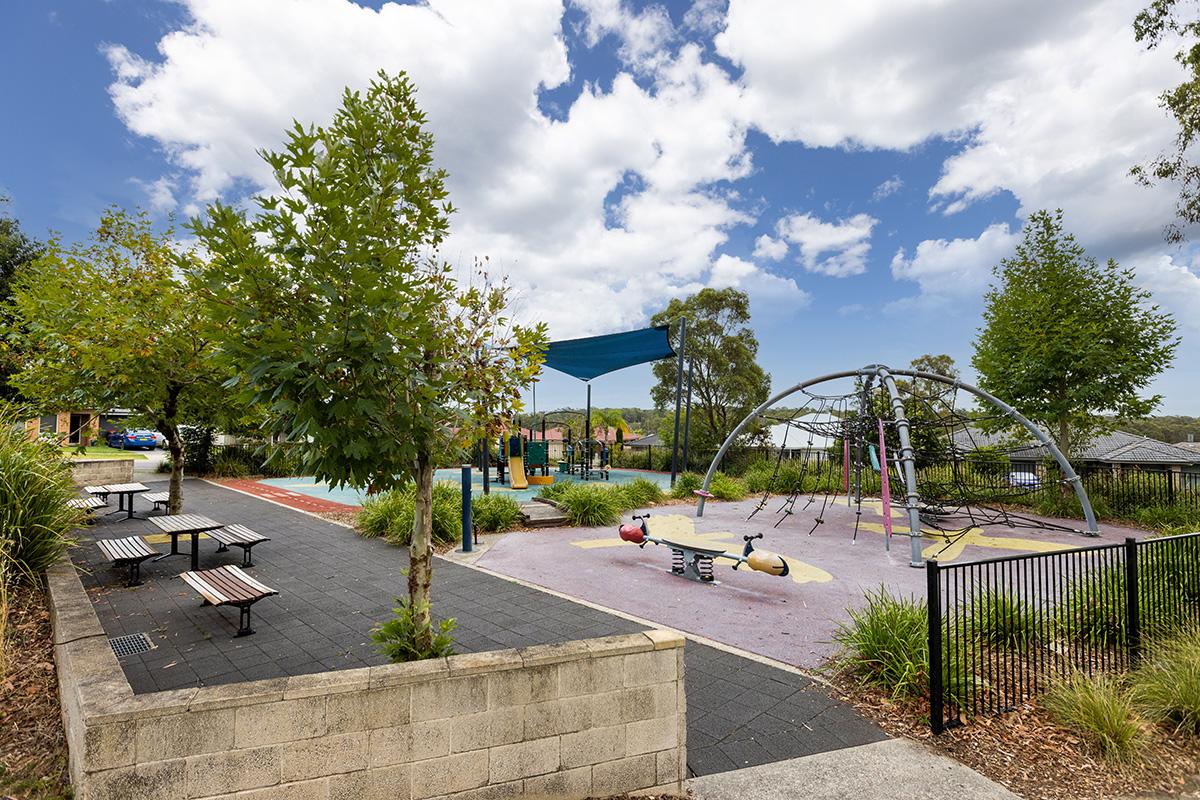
{"x": 1166, "y": 428}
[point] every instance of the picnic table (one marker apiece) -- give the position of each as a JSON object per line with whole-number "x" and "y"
{"x": 185, "y": 524}
{"x": 122, "y": 491}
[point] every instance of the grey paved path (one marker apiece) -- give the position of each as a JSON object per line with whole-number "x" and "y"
{"x": 897, "y": 768}
{"x": 334, "y": 585}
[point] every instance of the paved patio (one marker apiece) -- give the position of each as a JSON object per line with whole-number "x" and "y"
{"x": 334, "y": 586}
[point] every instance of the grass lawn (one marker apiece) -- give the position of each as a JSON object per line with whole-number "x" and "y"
{"x": 102, "y": 451}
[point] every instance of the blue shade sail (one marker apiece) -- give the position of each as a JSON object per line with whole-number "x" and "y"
{"x": 598, "y": 355}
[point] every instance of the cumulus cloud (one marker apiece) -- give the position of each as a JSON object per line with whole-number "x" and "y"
{"x": 838, "y": 249}
{"x": 765, "y": 289}
{"x": 645, "y": 33}
{"x": 769, "y": 248}
{"x": 160, "y": 193}
{"x": 955, "y": 269}
{"x": 548, "y": 200}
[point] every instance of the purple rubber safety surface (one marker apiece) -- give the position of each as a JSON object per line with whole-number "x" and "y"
{"x": 772, "y": 616}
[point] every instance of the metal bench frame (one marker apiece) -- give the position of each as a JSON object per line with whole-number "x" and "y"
{"x": 238, "y": 536}
{"x": 112, "y": 551}
{"x": 208, "y": 583}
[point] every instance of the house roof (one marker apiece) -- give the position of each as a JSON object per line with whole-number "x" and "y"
{"x": 1117, "y": 447}
{"x": 652, "y": 440}
{"x": 1193, "y": 446}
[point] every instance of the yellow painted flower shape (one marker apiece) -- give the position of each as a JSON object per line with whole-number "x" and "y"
{"x": 681, "y": 529}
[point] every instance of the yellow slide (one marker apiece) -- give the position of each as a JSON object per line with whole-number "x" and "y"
{"x": 516, "y": 473}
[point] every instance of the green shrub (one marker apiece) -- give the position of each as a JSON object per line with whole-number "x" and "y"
{"x": 1167, "y": 687}
{"x": 164, "y": 466}
{"x": 391, "y": 514}
{"x": 1001, "y": 619}
{"x": 724, "y": 487}
{"x": 495, "y": 513}
{"x": 399, "y": 638}
{"x": 554, "y": 491}
{"x": 1168, "y": 519}
{"x": 591, "y": 505}
{"x": 35, "y": 520}
{"x": 230, "y": 467}
{"x": 1093, "y": 609}
{"x": 1101, "y": 710}
{"x": 885, "y": 643}
{"x": 758, "y": 478}
{"x": 641, "y": 492}
{"x": 685, "y": 484}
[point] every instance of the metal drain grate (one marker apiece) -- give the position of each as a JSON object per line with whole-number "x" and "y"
{"x": 131, "y": 645}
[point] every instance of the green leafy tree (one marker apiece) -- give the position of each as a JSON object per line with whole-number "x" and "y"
{"x": 16, "y": 250}
{"x": 114, "y": 322}
{"x": 345, "y": 327}
{"x": 1066, "y": 340}
{"x": 1155, "y": 24}
{"x": 727, "y": 382}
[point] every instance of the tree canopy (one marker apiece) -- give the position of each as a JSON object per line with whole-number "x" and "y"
{"x": 343, "y": 322}
{"x": 727, "y": 382}
{"x": 115, "y": 322}
{"x": 16, "y": 250}
{"x": 1067, "y": 340}
{"x": 1159, "y": 21}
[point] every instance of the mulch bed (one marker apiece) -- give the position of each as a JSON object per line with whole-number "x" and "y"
{"x": 1036, "y": 758}
{"x": 33, "y": 750}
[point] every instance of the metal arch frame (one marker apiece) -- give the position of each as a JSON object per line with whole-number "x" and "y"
{"x": 886, "y": 377}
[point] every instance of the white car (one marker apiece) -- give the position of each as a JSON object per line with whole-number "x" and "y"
{"x": 1028, "y": 480}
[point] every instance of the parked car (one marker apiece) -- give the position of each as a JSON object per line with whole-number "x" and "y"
{"x": 130, "y": 440}
{"x": 1025, "y": 480}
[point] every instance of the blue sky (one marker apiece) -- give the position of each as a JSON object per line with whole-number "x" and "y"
{"x": 856, "y": 170}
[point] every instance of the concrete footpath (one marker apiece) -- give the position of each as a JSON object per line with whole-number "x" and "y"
{"x": 878, "y": 771}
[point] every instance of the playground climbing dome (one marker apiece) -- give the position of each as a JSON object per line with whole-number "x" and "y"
{"x": 943, "y": 448}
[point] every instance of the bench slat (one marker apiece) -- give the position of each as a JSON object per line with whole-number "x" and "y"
{"x": 227, "y": 585}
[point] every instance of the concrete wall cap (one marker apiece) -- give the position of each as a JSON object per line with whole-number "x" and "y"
{"x": 476, "y": 663}
{"x": 664, "y": 639}
{"x": 619, "y": 645}
{"x": 335, "y": 682}
{"x": 553, "y": 653}
{"x": 247, "y": 693}
{"x": 409, "y": 672}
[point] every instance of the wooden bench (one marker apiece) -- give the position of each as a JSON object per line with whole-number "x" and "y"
{"x": 86, "y": 503}
{"x": 132, "y": 551}
{"x": 160, "y": 499}
{"x": 229, "y": 586}
{"x": 237, "y": 536}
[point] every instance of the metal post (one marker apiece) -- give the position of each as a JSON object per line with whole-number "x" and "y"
{"x": 587, "y": 435}
{"x": 486, "y": 448}
{"x": 468, "y": 530}
{"x": 908, "y": 460}
{"x": 678, "y": 397}
{"x": 936, "y": 677}
{"x": 687, "y": 415}
{"x": 1133, "y": 616}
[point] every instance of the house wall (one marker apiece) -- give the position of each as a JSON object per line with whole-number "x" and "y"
{"x": 62, "y": 425}
{"x": 587, "y": 718}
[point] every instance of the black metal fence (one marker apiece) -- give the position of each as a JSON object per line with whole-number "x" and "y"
{"x": 1002, "y": 630}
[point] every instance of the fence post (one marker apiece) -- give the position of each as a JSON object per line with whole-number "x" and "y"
{"x": 1133, "y": 616}
{"x": 934, "y": 604}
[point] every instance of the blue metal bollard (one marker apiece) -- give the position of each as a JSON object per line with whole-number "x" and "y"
{"x": 467, "y": 524}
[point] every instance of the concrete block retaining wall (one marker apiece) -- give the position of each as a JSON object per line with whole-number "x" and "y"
{"x": 93, "y": 471}
{"x": 575, "y": 720}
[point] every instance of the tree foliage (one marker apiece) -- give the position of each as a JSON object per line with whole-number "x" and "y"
{"x": 16, "y": 250}
{"x": 727, "y": 382}
{"x": 1066, "y": 340}
{"x": 343, "y": 323}
{"x": 115, "y": 322}
{"x": 1160, "y": 20}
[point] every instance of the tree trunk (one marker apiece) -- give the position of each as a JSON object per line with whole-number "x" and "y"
{"x": 175, "y": 448}
{"x": 420, "y": 550}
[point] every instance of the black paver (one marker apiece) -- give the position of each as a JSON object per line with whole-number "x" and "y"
{"x": 334, "y": 586}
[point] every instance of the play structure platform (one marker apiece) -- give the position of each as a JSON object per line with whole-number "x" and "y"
{"x": 542, "y": 515}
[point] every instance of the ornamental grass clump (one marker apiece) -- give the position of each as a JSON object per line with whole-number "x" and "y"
{"x": 1167, "y": 687}
{"x": 35, "y": 518}
{"x": 495, "y": 513}
{"x": 685, "y": 484}
{"x": 590, "y": 505}
{"x": 390, "y": 515}
{"x": 640, "y": 493}
{"x": 1001, "y": 619}
{"x": 884, "y": 644}
{"x": 726, "y": 487}
{"x": 1101, "y": 710}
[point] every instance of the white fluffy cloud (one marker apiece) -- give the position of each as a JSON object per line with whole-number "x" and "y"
{"x": 957, "y": 269}
{"x": 769, "y": 248}
{"x": 772, "y": 291}
{"x": 887, "y": 188}
{"x": 838, "y": 249}
{"x": 597, "y": 217}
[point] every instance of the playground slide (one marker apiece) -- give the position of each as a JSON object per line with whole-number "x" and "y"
{"x": 516, "y": 473}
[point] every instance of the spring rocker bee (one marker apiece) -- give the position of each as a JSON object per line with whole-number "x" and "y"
{"x": 694, "y": 561}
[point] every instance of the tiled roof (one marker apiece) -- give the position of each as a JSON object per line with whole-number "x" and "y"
{"x": 1117, "y": 447}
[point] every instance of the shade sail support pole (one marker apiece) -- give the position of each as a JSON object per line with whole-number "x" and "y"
{"x": 678, "y": 397}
